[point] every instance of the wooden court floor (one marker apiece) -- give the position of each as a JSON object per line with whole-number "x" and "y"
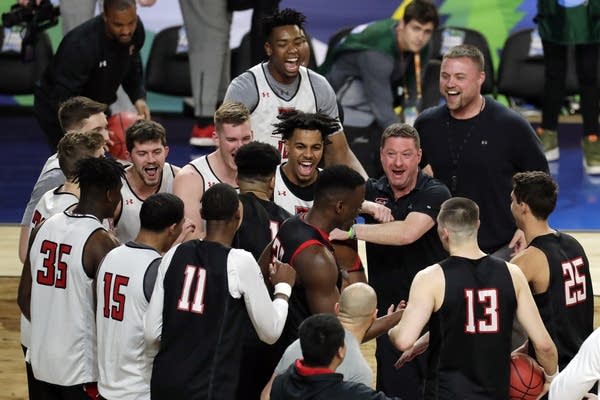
{"x": 13, "y": 382}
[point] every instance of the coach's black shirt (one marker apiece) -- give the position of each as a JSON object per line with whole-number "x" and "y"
{"x": 392, "y": 268}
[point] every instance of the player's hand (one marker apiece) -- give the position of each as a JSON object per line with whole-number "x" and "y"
{"x": 398, "y": 308}
{"x": 146, "y": 3}
{"x": 418, "y": 347}
{"x": 187, "y": 229}
{"x": 378, "y": 211}
{"x": 142, "y": 109}
{"x": 590, "y": 396}
{"x": 518, "y": 242}
{"x": 338, "y": 234}
{"x": 281, "y": 272}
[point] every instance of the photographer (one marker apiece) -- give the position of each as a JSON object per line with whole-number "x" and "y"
{"x": 93, "y": 60}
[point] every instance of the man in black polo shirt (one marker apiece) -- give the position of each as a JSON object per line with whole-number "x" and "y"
{"x": 397, "y": 250}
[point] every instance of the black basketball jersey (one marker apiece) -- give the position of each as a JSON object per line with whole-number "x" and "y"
{"x": 260, "y": 224}
{"x": 202, "y": 324}
{"x": 567, "y": 307}
{"x": 471, "y": 331}
{"x": 294, "y": 236}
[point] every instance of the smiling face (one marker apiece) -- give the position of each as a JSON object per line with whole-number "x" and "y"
{"x": 413, "y": 36}
{"x": 305, "y": 150}
{"x": 230, "y": 139}
{"x": 460, "y": 84}
{"x": 285, "y": 48}
{"x": 120, "y": 24}
{"x": 400, "y": 161}
{"x": 148, "y": 159}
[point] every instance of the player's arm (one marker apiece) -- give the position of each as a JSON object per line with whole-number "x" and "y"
{"x": 188, "y": 185}
{"x": 245, "y": 279}
{"x": 529, "y": 317}
{"x": 97, "y": 246}
{"x": 395, "y": 233}
{"x": 317, "y": 269}
{"x": 534, "y": 265}
{"x": 421, "y": 304}
{"x": 46, "y": 181}
{"x": 349, "y": 262}
{"x": 24, "y": 290}
{"x": 578, "y": 377}
{"x": 337, "y": 151}
{"x": 379, "y": 212}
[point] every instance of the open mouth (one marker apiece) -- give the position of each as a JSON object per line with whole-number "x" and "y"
{"x": 452, "y": 93}
{"x": 152, "y": 172}
{"x": 291, "y": 64}
{"x": 305, "y": 168}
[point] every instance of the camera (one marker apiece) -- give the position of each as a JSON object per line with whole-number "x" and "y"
{"x": 34, "y": 18}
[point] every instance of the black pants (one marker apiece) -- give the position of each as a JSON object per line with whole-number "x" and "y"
{"x": 586, "y": 66}
{"x": 365, "y": 142}
{"x": 406, "y": 382}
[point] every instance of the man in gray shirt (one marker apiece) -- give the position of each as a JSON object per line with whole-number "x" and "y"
{"x": 369, "y": 65}
{"x": 356, "y": 310}
{"x": 282, "y": 84}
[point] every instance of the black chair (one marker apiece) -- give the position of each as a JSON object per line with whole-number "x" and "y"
{"x": 18, "y": 76}
{"x": 167, "y": 71}
{"x": 441, "y": 39}
{"x": 521, "y": 75}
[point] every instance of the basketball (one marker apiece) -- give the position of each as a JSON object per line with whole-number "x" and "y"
{"x": 526, "y": 378}
{"x": 117, "y": 125}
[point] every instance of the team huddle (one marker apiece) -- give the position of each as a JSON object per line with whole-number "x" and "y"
{"x": 237, "y": 276}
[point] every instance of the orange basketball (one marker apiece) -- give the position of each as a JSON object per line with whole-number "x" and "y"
{"x": 117, "y": 125}
{"x": 526, "y": 378}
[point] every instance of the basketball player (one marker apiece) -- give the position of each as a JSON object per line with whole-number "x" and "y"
{"x": 470, "y": 300}
{"x": 148, "y": 173}
{"x": 205, "y": 294}
{"x": 303, "y": 242}
{"x": 256, "y": 164}
{"x": 554, "y": 264}
{"x": 56, "y": 287}
{"x": 77, "y": 113}
{"x": 72, "y": 147}
{"x": 283, "y": 84}
{"x": 125, "y": 282}
{"x": 232, "y": 130}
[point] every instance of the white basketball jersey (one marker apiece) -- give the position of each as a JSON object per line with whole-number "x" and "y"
{"x": 128, "y": 224}
{"x": 270, "y": 105}
{"x": 63, "y": 334}
{"x": 203, "y": 167}
{"x": 124, "y": 368}
{"x": 52, "y": 202}
{"x": 286, "y": 199}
